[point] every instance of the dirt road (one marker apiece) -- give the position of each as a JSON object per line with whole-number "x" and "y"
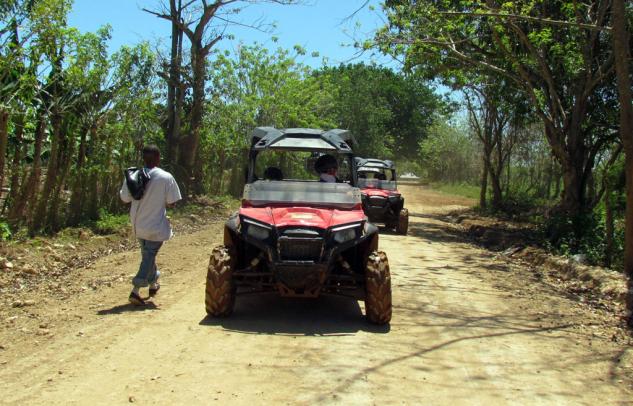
{"x": 465, "y": 331}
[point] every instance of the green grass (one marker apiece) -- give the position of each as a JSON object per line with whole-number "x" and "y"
{"x": 110, "y": 223}
{"x": 457, "y": 189}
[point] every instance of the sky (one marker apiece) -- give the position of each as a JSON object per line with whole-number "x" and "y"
{"x": 319, "y": 25}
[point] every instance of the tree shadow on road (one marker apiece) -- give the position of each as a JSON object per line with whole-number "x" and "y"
{"x": 270, "y": 314}
{"x": 437, "y": 331}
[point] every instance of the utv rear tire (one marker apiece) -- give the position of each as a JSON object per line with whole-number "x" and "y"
{"x": 403, "y": 222}
{"x": 377, "y": 289}
{"x": 220, "y": 290}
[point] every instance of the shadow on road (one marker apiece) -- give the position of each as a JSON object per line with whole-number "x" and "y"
{"x": 436, "y": 331}
{"x": 270, "y": 314}
{"x": 127, "y": 308}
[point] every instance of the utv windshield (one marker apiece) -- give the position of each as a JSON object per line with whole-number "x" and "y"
{"x": 336, "y": 195}
{"x": 279, "y": 165}
{"x": 374, "y": 178}
{"x": 289, "y": 177}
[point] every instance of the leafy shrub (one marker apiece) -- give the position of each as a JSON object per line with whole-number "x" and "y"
{"x": 5, "y": 231}
{"x": 584, "y": 234}
{"x": 110, "y": 223}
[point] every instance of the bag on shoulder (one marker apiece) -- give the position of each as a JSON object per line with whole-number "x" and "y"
{"x": 136, "y": 179}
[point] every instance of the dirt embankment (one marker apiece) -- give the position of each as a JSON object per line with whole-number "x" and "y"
{"x": 469, "y": 327}
{"x": 516, "y": 242}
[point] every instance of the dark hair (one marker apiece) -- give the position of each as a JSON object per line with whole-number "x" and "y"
{"x": 151, "y": 153}
{"x": 272, "y": 173}
{"x": 151, "y": 149}
{"x": 324, "y": 163}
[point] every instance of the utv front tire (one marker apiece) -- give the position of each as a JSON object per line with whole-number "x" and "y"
{"x": 220, "y": 289}
{"x": 378, "y": 288}
{"x": 403, "y": 222}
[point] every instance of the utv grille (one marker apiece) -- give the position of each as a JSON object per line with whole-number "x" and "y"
{"x": 377, "y": 201}
{"x": 300, "y": 249}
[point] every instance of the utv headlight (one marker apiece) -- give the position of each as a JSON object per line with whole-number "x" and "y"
{"x": 346, "y": 233}
{"x": 256, "y": 230}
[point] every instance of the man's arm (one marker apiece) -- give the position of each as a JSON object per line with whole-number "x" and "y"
{"x": 173, "y": 193}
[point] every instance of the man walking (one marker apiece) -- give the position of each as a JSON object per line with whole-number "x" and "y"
{"x": 149, "y": 220}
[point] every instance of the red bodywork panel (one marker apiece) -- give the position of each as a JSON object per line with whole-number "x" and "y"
{"x": 303, "y": 216}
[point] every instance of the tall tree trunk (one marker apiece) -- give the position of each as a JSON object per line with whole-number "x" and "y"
{"x": 17, "y": 168}
{"x": 188, "y": 150}
{"x": 628, "y": 233}
{"x": 483, "y": 191}
{"x": 78, "y": 189}
{"x": 218, "y": 181}
{"x": 28, "y": 191}
{"x": 4, "y": 139}
{"x": 497, "y": 191}
{"x": 557, "y": 185}
{"x": 621, "y": 38}
{"x": 58, "y": 196}
{"x": 508, "y": 173}
{"x": 574, "y": 189}
{"x": 497, "y": 172}
{"x": 41, "y": 210}
{"x": 174, "y": 86}
{"x": 549, "y": 176}
{"x": 609, "y": 223}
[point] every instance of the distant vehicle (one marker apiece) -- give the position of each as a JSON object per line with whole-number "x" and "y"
{"x": 295, "y": 235}
{"x": 382, "y": 202}
{"x": 409, "y": 176}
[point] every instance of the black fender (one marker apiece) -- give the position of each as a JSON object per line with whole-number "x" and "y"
{"x": 231, "y": 231}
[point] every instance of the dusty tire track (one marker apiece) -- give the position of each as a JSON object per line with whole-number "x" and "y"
{"x": 456, "y": 337}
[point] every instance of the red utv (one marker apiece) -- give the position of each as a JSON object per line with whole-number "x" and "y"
{"x": 298, "y": 236}
{"x": 382, "y": 202}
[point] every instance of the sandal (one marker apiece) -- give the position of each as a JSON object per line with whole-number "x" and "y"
{"x": 136, "y": 300}
{"x": 153, "y": 291}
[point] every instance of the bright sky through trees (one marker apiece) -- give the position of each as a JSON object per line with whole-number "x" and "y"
{"x": 319, "y": 26}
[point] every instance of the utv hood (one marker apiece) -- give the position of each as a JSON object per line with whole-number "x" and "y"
{"x": 302, "y": 216}
{"x": 379, "y": 192}
{"x": 330, "y": 196}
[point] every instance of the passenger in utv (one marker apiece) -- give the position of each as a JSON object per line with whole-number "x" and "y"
{"x": 149, "y": 221}
{"x": 273, "y": 173}
{"x": 327, "y": 167}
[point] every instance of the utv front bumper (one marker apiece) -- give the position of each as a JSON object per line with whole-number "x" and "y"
{"x": 301, "y": 262}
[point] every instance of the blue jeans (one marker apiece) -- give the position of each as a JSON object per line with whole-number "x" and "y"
{"x": 147, "y": 272}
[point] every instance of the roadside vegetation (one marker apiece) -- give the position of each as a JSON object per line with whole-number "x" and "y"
{"x": 546, "y": 90}
{"x": 539, "y": 126}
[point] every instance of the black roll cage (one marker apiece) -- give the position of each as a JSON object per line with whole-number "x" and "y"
{"x": 335, "y": 141}
{"x": 371, "y": 163}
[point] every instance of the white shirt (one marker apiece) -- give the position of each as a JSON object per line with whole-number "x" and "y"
{"x": 149, "y": 215}
{"x": 326, "y": 177}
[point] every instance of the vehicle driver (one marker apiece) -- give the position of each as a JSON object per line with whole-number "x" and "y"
{"x": 273, "y": 173}
{"x": 327, "y": 167}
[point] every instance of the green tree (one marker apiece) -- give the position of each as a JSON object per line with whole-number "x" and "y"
{"x": 558, "y": 70}
{"x": 448, "y": 154}
{"x": 622, "y": 28}
{"x": 388, "y": 112}
{"x": 258, "y": 87}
